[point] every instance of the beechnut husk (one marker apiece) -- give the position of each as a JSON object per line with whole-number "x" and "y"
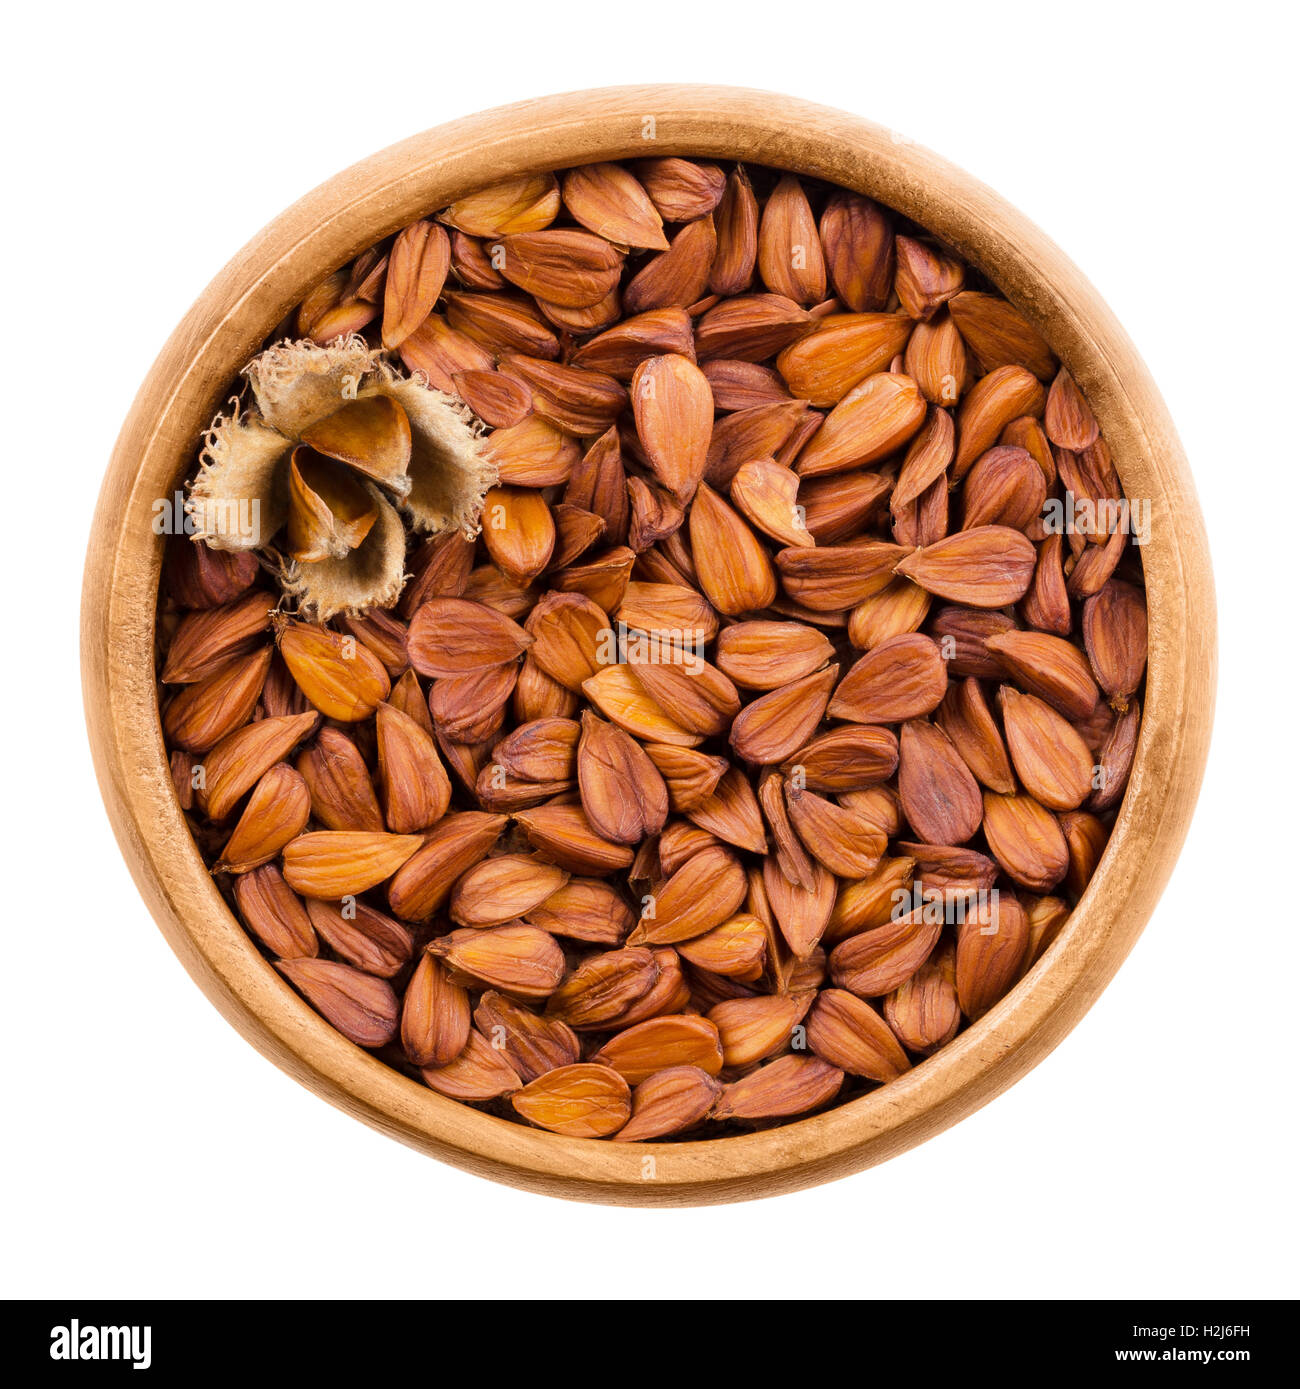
{"x": 654, "y": 649}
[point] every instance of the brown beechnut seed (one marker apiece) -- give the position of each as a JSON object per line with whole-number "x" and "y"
{"x": 749, "y": 703}
{"x": 580, "y": 1101}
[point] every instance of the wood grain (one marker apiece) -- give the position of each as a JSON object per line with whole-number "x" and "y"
{"x": 331, "y": 225}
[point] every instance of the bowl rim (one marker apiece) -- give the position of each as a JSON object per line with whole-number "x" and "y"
{"x": 380, "y": 195}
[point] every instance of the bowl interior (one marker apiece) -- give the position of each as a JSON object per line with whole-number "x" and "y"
{"x": 364, "y": 204}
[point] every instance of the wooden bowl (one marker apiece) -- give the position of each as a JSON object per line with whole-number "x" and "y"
{"x": 384, "y": 193}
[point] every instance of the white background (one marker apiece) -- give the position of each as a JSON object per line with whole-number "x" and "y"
{"x": 148, "y": 1150}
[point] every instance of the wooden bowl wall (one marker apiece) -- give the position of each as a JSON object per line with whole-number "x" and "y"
{"x": 384, "y": 193}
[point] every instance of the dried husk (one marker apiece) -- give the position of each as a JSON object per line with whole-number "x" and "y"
{"x": 243, "y": 474}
